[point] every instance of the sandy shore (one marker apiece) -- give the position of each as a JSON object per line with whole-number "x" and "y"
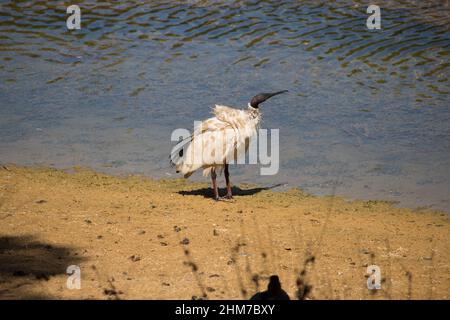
{"x": 137, "y": 238}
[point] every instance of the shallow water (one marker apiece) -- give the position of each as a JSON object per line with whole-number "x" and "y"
{"x": 367, "y": 116}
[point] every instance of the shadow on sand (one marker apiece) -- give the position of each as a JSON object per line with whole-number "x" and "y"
{"x": 26, "y": 262}
{"x": 273, "y": 292}
{"x": 208, "y": 192}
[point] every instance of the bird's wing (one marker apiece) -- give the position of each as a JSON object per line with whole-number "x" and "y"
{"x": 229, "y": 130}
{"x": 210, "y": 125}
{"x": 244, "y": 127}
{"x": 197, "y": 150}
{"x": 234, "y": 117}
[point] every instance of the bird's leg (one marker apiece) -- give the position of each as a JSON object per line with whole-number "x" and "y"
{"x": 227, "y": 179}
{"x": 214, "y": 183}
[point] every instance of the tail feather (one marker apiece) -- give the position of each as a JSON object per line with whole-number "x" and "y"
{"x": 178, "y": 152}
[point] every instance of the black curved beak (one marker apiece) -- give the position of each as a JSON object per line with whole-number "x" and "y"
{"x": 260, "y": 98}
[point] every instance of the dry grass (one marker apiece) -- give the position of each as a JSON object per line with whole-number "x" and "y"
{"x": 134, "y": 237}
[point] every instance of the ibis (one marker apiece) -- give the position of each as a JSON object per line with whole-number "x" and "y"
{"x": 219, "y": 140}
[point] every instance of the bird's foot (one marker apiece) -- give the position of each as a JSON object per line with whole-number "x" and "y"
{"x": 228, "y": 197}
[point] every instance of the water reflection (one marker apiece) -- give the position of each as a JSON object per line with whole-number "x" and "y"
{"x": 368, "y": 106}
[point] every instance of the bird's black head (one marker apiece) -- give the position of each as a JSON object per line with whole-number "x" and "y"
{"x": 260, "y": 98}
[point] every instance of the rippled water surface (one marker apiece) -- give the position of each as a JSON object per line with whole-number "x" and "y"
{"x": 368, "y": 110}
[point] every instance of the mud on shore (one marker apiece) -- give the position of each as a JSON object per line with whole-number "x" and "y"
{"x": 138, "y": 238}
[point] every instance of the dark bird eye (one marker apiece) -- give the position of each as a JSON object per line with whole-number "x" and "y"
{"x": 180, "y": 153}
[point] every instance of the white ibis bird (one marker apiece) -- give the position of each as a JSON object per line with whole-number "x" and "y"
{"x": 218, "y": 140}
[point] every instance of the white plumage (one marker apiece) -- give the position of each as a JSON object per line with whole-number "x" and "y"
{"x": 219, "y": 141}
